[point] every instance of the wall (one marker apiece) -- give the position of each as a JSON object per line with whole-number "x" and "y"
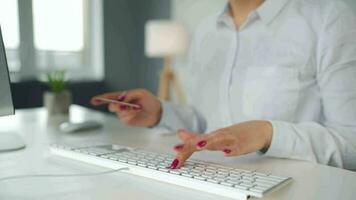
{"x": 125, "y": 63}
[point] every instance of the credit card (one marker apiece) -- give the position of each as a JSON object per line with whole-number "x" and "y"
{"x": 118, "y": 102}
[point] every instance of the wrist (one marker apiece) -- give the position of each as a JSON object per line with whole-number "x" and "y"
{"x": 268, "y": 132}
{"x": 158, "y": 114}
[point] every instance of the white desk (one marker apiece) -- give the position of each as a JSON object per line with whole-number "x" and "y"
{"x": 311, "y": 181}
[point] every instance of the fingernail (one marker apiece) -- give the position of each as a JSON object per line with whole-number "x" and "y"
{"x": 174, "y": 164}
{"x": 95, "y": 101}
{"x": 227, "y": 151}
{"x": 178, "y": 147}
{"x": 122, "y": 97}
{"x": 123, "y": 107}
{"x": 201, "y": 144}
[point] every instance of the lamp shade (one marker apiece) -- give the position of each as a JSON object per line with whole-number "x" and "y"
{"x": 164, "y": 38}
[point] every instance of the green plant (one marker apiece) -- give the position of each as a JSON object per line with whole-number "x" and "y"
{"x": 56, "y": 81}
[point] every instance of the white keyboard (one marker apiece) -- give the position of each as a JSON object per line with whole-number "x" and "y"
{"x": 208, "y": 177}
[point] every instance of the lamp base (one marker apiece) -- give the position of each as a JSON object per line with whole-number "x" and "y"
{"x": 167, "y": 79}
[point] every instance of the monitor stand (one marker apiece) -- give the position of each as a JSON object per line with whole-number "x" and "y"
{"x": 11, "y": 141}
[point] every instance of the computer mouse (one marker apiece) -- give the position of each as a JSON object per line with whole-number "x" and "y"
{"x": 71, "y": 127}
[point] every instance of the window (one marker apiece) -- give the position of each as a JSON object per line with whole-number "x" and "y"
{"x": 55, "y": 34}
{"x": 59, "y": 34}
{"x": 58, "y": 25}
{"x": 9, "y": 23}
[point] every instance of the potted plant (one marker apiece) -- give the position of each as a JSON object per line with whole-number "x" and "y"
{"x": 58, "y": 99}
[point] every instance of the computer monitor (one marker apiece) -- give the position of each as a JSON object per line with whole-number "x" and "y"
{"x": 8, "y": 140}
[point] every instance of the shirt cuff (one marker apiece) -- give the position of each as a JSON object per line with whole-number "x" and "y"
{"x": 282, "y": 142}
{"x": 166, "y": 115}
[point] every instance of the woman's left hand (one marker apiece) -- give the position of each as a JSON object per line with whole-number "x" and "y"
{"x": 239, "y": 139}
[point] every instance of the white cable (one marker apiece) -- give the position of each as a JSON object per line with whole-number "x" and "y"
{"x": 59, "y": 175}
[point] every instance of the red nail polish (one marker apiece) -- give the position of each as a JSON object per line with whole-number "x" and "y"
{"x": 201, "y": 144}
{"x": 95, "y": 101}
{"x": 174, "y": 164}
{"x": 178, "y": 147}
{"x": 227, "y": 151}
{"x": 123, "y": 107}
{"x": 121, "y": 98}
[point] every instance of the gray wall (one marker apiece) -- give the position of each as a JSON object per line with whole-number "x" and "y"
{"x": 125, "y": 63}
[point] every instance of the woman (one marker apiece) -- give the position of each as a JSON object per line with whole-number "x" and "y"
{"x": 275, "y": 77}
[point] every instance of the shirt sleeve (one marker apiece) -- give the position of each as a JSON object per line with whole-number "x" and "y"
{"x": 176, "y": 117}
{"x": 332, "y": 142}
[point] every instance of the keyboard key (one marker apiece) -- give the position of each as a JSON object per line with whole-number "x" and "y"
{"x": 233, "y": 182}
{"x": 174, "y": 172}
{"x": 247, "y": 185}
{"x": 131, "y": 162}
{"x": 195, "y": 174}
{"x": 199, "y": 178}
{"x": 123, "y": 160}
{"x": 241, "y": 187}
{"x": 152, "y": 167}
{"x": 206, "y": 176}
{"x": 255, "y": 190}
{"x": 199, "y": 168}
{"x": 227, "y": 184}
{"x": 213, "y": 181}
{"x": 219, "y": 179}
{"x": 187, "y": 175}
{"x": 258, "y": 187}
{"x": 163, "y": 169}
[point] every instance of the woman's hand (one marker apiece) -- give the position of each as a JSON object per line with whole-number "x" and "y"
{"x": 148, "y": 114}
{"x": 235, "y": 140}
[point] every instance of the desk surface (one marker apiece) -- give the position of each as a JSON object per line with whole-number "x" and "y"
{"x": 310, "y": 181}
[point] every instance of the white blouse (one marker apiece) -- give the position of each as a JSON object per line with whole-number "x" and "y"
{"x": 293, "y": 63}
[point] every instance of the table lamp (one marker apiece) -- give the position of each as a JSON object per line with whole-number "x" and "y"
{"x": 166, "y": 39}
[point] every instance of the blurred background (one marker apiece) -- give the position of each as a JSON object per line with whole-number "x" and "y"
{"x": 100, "y": 44}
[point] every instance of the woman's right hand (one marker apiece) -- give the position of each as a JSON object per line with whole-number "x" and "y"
{"x": 149, "y": 113}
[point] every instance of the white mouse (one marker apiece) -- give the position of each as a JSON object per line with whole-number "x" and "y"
{"x": 70, "y": 127}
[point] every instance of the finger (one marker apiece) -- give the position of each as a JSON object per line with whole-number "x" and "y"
{"x": 180, "y": 159}
{"x": 185, "y": 135}
{"x": 114, "y": 108}
{"x": 216, "y": 141}
{"x": 112, "y": 95}
{"x": 122, "y": 96}
{"x": 117, "y": 108}
{"x": 184, "y": 151}
{"x": 178, "y": 147}
{"x": 132, "y": 96}
{"x": 128, "y": 119}
{"x": 186, "y": 147}
{"x": 124, "y": 114}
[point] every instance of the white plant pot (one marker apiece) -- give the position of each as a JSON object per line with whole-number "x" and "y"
{"x": 57, "y": 103}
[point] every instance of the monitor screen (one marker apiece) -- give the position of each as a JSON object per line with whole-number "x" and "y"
{"x": 6, "y": 105}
